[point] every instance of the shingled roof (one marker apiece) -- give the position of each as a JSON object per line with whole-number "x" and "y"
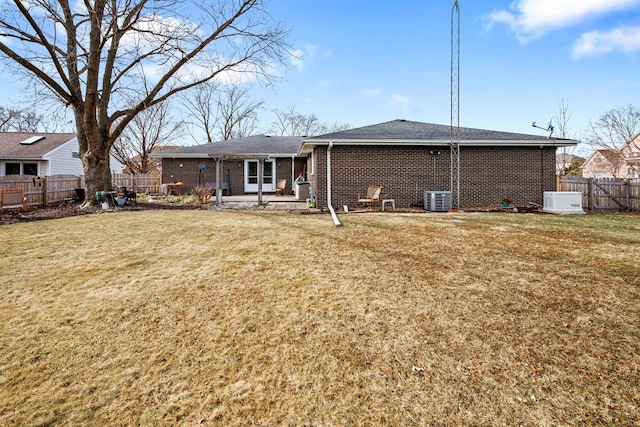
{"x": 405, "y": 132}
{"x": 252, "y": 146}
{"x": 11, "y": 147}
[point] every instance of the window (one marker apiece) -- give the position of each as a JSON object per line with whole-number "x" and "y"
{"x": 268, "y": 173}
{"x": 30, "y": 169}
{"x": 12, "y": 169}
{"x": 252, "y": 172}
{"x": 21, "y": 169}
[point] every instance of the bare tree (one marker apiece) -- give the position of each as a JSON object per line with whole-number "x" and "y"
{"x": 237, "y": 113}
{"x": 16, "y": 120}
{"x": 617, "y": 131}
{"x": 150, "y": 130}
{"x": 222, "y": 112}
{"x": 291, "y": 123}
{"x": 201, "y": 108}
{"x": 110, "y": 60}
{"x": 565, "y": 154}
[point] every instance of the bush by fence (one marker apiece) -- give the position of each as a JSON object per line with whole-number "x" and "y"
{"x": 604, "y": 193}
{"x": 57, "y": 188}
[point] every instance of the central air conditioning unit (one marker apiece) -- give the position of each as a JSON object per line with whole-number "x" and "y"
{"x": 437, "y": 201}
{"x": 563, "y": 202}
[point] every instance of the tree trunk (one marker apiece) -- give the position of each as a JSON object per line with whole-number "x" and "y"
{"x": 97, "y": 170}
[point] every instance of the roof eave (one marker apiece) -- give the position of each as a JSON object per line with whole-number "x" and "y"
{"x": 18, "y": 157}
{"x": 307, "y": 145}
{"x": 221, "y": 155}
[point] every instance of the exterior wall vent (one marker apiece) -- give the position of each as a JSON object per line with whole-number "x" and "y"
{"x": 563, "y": 202}
{"x": 32, "y": 140}
{"x": 437, "y": 201}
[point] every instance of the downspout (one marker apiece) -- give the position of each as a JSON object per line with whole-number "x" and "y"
{"x": 333, "y": 213}
{"x": 293, "y": 171}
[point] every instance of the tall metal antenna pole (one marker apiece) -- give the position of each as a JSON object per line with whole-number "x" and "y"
{"x": 455, "y": 102}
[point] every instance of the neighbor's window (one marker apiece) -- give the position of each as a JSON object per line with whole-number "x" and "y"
{"x": 30, "y": 169}
{"x": 12, "y": 169}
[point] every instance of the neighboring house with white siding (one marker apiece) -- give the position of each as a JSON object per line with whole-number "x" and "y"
{"x": 42, "y": 154}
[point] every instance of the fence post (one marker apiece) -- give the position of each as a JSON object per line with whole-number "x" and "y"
{"x": 590, "y": 194}
{"x": 45, "y": 192}
{"x": 628, "y": 195}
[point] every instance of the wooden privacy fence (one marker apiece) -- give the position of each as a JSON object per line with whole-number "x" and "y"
{"x": 604, "y": 193}
{"x": 42, "y": 191}
{"x": 140, "y": 183}
{"x": 58, "y": 188}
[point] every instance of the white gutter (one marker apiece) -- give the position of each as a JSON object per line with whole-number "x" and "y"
{"x": 333, "y": 213}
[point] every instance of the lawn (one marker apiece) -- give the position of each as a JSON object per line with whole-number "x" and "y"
{"x": 268, "y": 318}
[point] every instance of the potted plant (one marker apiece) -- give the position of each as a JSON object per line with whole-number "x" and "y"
{"x": 506, "y": 201}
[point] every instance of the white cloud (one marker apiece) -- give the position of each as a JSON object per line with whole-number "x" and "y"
{"x": 302, "y": 56}
{"x": 626, "y": 39}
{"x": 296, "y": 58}
{"x": 404, "y": 103}
{"x": 370, "y": 93}
{"x": 530, "y": 19}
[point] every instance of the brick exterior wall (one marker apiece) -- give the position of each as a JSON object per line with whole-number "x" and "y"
{"x": 187, "y": 171}
{"x": 486, "y": 174}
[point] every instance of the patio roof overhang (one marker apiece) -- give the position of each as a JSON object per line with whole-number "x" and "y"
{"x": 308, "y": 145}
{"x": 222, "y": 156}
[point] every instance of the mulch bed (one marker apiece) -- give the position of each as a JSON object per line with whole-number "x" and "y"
{"x": 73, "y": 208}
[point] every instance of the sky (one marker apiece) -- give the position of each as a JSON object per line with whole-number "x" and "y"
{"x": 364, "y": 62}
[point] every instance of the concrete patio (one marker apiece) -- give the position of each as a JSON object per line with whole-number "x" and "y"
{"x": 269, "y": 202}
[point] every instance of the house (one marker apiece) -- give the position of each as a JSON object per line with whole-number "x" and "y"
{"x": 610, "y": 164}
{"x": 408, "y": 158}
{"x": 42, "y": 154}
{"x": 405, "y": 157}
{"x": 242, "y": 159}
{"x": 602, "y": 164}
{"x": 568, "y": 164}
{"x": 620, "y": 164}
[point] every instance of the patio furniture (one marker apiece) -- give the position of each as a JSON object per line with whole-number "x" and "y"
{"x": 128, "y": 196}
{"x": 372, "y": 197}
{"x": 281, "y": 185}
{"x": 224, "y": 187}
{"x": 173, "y": 188}
{"x": 392, "y": 202}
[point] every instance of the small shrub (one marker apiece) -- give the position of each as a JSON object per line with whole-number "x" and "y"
{"x": 202, "y": 193}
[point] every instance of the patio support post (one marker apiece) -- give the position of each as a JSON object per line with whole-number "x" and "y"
{"x": 293, "y": 171}
{"x": 260, "y": 175}
{"x": 218, "y": 186}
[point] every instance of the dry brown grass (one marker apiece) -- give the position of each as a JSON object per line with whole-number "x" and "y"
{"x": 266, "y": 318}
